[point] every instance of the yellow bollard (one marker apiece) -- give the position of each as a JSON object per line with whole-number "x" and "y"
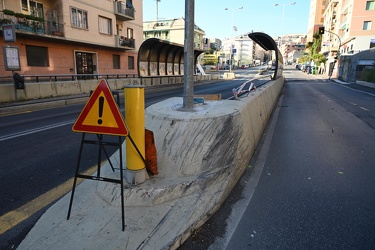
{"x": 135, "y": 121}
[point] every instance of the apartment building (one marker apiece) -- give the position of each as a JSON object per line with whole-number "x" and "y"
{"x": 244, "y": 50}
{"x": 293, "y": 47}
{"x": 350, "y": 25}
{"x": 316, "y": 19}
{"x": 172, "y": 30}
{"x": 74, "y": 36}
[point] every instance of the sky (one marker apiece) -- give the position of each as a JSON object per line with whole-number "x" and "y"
{"x": 256, "y": 16}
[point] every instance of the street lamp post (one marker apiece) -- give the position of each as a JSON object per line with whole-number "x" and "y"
{"x": 231, "y": 44}
{"x": 157, "y": 10}
{"x": 282, "y": 21}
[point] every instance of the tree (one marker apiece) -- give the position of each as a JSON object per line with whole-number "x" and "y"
{"x": 314, "y": 49}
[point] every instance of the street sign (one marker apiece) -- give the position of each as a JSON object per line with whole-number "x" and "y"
{"x": 11, "y": 58}
{"x": 9, "y": 33}
{"x": 101, "y": 114}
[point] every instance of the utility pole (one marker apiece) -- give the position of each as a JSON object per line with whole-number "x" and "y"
{"x": 188, "y": 102}
{"x": 234, "y": 28}
{"x": 157, "y": 9}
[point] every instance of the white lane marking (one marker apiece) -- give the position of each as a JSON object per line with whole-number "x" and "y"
{"x": 35, "y": 130}
{"x": 365, "y": 109}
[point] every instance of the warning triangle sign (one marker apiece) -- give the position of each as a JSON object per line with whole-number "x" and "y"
{"x": 101, "y": 114}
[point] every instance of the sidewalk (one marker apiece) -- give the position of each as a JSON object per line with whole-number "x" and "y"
{"x": 356, "y": 86}
{"x": 360, "y": 86}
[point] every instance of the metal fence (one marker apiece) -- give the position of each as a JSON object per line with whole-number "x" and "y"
{"x": 66, "y": 77}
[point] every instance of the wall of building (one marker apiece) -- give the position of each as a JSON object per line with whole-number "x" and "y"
{"x": 61, "y": 49}
{"x": 349, "y": 63}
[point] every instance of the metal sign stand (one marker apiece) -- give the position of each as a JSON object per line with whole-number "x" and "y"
{"x": 98, "y": 177}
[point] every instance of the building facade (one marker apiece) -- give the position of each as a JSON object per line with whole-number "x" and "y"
{"x": 74, "y": 37}
{"x": 293, "y": 47}
{"x": 350, "y": 25}
{"x": 349, "y": 28}
{"x": 316, "y": 20}
{"x": 172, "y": 30}
{"x": 242, "y": 50}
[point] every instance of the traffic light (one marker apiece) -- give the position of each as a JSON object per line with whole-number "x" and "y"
{"x": 321, "y": 30}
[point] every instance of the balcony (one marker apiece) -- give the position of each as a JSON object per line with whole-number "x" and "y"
{"x": 124, "y": 11}
{"x": 124, "y": 42}
{"x": 27, "y": 24}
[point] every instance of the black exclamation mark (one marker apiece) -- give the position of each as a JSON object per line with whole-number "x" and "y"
{"x": 101, "y": 103}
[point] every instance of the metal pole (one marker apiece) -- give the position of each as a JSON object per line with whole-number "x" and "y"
{"x": 231, "y": 46}
{"x": 282, "y": 24}
{"x": 189, "y": 55}
{"x": 231, "y": 39}
{"x": 157, "y": 9}
{"x": 135, "y": 120}
{"x": 282, "y": 27}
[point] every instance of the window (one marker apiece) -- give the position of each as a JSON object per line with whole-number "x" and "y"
{"x": 105, "y": 25}
{"x": 37, "y": 56}
{"x": 370, "y": 5}
{"x": 36, "y": 9}
{"x": 130, "y": 62}
{"x": 25, "y": 5}
{"x": 367, "y": 25}
{"x": 79, "y": 18}
{"x": 116, "y": 61}
{"x": 130, "y": 33}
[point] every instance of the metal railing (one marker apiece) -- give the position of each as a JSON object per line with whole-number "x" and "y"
{"x": 122, "y": 41}
{"x": 122, "y": 10}
{"x": 66, "y": 77}
{"x": 29, "y": 25}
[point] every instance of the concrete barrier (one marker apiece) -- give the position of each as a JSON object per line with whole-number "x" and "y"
{"x": 39, "y": 90}
{"x": 204, "y": 151}
{"x": 229, "y": 75}
{"x": 201, "y": 155}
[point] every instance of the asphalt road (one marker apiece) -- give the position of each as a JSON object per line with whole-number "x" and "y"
{"x": 39, "y": 154}
{"x": 310, "y": 183}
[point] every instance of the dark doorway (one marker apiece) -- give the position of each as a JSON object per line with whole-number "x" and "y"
{"x": 84, "y": 64}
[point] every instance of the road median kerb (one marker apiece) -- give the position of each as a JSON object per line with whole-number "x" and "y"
{"x": 201, "y": 155}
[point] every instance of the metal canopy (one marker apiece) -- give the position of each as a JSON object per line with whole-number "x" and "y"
{"x": 158, "y": 57}
{"x": 267, "y": 43}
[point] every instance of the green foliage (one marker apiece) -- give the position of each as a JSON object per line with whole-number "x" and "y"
{"x": 308, "y": 45}
{"x": 21, "y": 15}
{"x": 319, "y": 58}
{"x": 9, "y": 12}
{"x": 314, "y": 49}
{"x": 305, "y": 58}
{"x": 209, "y": 51}
{"x": 5, "y": 21}
{"x": 316, "y": 45}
